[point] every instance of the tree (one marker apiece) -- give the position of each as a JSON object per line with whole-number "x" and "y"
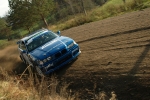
{"x": 24, "y": 13}
{"x": 83, "y": 7}
{"x": 71, "y": 6}
{"x": 100, "y": 2}
{"x": 2, "y": 23}
{"x": 5, "y": 31}
{"x": 20, "y": 14}
{"x": 43, "y": 8}
{"x": 124, "y": 1}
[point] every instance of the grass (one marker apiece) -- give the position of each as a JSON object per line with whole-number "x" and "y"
{"x": 32, "y": 87}
{"x": 4, "y": 43}
{"x": 111, "y": 8}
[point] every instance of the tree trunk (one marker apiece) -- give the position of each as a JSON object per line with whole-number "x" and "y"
{"x": 83, "y": 7}
{"x": 28, "y": 29}
{"x": 44, "y": 20}
{"x": 124, "y": 1}
{"x": 8, "y": 34}
{"x": 136, "y": 2}
{"x": 72, "y": 9}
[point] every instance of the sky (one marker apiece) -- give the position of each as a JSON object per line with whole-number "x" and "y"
{"x": 4, "y": 7}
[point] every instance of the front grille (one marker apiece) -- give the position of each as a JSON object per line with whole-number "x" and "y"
{"x": 64, "y": 51}
{"x": 57, "y": 55}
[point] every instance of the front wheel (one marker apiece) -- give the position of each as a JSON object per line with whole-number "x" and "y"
{"x": 39, "y": 72}
{"x": 22, "y": 59}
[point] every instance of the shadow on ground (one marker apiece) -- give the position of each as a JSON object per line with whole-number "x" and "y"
{"x": 129, "y": 86}
{"x": 20, "y": 68}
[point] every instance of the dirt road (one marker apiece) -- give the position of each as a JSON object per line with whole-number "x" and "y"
{"x": 115, "y": 57}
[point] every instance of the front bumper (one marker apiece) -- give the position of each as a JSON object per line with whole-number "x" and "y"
{"x": 61, "y": 61}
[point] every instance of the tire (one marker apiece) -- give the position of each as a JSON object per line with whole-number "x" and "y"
{"x": 39, "y": 72}
{"x": 22, "y": 59}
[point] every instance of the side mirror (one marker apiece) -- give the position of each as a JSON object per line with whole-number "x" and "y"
{"x": 58, "y": 32}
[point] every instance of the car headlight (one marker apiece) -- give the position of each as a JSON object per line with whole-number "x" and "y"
{"x": 40, "y": 62}
{"x": 49, "y": 58}
{"x": 71, "y": 45}
{"x": 45, "y": 60}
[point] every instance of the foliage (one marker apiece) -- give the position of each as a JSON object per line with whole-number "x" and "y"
{"x": 99, "y": 2}
{"x": 20, "y": 18}
{"x": 2, "y": 23}
{"x": 5, "y": 31}
{"x": 109, "y": 9}
{"x": 3, "y": 42}
{"x": 25, "y": 13}
{"x": 28, "y": 13}
{"x": 64, "y": 14}
{"x": 43, "y": 8}
{"x": 2, "y": 26}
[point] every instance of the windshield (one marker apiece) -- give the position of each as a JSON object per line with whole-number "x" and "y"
{"x": 39, "y": 40}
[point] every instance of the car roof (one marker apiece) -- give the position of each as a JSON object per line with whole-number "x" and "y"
{"x": 31, "y": 35}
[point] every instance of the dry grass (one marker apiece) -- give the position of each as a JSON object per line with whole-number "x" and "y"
{"x": 33, "y": 87}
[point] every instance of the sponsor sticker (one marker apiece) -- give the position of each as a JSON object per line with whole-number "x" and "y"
{"x": 46, "y": 45}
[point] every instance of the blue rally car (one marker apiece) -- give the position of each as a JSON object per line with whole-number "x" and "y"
{"x": 47, "y": 51}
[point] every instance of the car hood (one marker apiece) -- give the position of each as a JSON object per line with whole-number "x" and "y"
{"x": 51, "y": 47}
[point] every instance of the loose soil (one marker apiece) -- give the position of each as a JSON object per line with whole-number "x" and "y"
{"x": 115, "y": 57}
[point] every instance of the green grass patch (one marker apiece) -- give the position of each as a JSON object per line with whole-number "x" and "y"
{"x": 5, "y": 42}
{"x": 109, "y": 9}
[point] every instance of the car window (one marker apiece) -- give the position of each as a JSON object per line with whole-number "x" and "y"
{"x": 40, "y": 40}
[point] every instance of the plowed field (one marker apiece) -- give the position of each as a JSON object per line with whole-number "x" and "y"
{"x": 115, "y": 57}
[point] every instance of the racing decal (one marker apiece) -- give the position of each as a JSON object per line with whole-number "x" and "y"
{"x": 46, "y": 45}
{"x": 63, "y": 43}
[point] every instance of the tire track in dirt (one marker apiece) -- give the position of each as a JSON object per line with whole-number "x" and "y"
{"x": 115, "y": 56}
{"x": 115, "y": 41}
{"x": 115, "y": 34}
